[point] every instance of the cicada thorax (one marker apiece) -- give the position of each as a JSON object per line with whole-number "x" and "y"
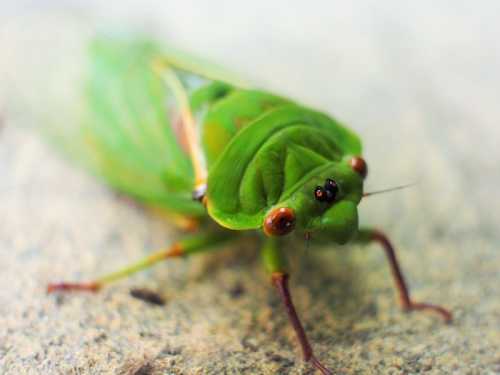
{"x": 228, "y": 111}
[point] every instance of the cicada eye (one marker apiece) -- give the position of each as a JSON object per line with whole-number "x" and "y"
{"x": 359, "y": 165}
{"x": 331, "y": 185}
{"x": 331, "y": 189}
{"x": 320, "y": 194}
{"x": 279, "y": 222}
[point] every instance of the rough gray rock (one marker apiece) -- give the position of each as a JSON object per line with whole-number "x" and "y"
{"x": 420, "y": 84}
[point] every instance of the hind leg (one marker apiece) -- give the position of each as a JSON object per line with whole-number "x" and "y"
{"x": 187, "y": 246}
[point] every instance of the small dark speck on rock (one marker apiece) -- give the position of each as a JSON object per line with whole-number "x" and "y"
{"x": 100, "y": 337}
{"x": 237, "y": 290}
{"x": 145, "y": 369}
{"x": 147, "y": 295}
{"x": 169, "y": 351}
{"x": 285, "y": 362}
{"x": 370, "y": 310}
{"x": 247, "y": 343}
{"x": 137, "y": 368}
{"x": 59, "y": 299}
{"x": 148, "y": 334}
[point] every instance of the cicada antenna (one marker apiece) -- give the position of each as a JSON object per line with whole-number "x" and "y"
{"x": 388, "y": 190}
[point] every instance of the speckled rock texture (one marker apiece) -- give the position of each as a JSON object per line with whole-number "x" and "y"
{"x": 420, "y": 84}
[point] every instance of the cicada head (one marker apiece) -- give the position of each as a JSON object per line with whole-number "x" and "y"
{"x": 292, "y": 170}
{"x": 325, "y": 204}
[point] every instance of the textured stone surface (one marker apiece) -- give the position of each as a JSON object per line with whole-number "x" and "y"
{"x": 420, "y": 84}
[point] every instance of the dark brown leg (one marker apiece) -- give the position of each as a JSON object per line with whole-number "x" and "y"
{"x": 404, "y": 296}
{"x": 280, "y": 281}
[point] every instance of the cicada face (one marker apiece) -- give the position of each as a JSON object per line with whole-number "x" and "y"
{"x": 325, "y": 204}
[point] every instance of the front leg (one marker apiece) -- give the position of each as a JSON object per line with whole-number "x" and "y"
{"x": 372, "y": 235}
{"x": 275, "y": 264}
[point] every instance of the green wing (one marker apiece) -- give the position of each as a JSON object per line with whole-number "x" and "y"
{"x": 271, "y": 158}
{"x": 126, "y": 130}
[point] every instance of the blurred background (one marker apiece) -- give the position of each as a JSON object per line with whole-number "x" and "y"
{"x": 420, "y": 84}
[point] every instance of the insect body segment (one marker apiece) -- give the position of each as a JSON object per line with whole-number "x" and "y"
{"x": 229, "y": 114}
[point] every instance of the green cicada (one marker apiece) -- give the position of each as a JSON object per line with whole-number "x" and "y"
{"x": 186, "y": 137}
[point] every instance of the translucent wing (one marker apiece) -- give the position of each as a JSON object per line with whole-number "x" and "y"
{"x": 126, "y": 131}
{"x": 107, "y": 107}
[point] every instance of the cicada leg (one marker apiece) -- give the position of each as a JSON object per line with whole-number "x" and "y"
{"x": 276, "y": 265}
{"x": 407, "y": 303}
{"x": 188, "y": 246}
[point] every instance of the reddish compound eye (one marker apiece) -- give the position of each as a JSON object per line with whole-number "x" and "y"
{"x": 359, "y": 165}
{"x": 279, "y": 222}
